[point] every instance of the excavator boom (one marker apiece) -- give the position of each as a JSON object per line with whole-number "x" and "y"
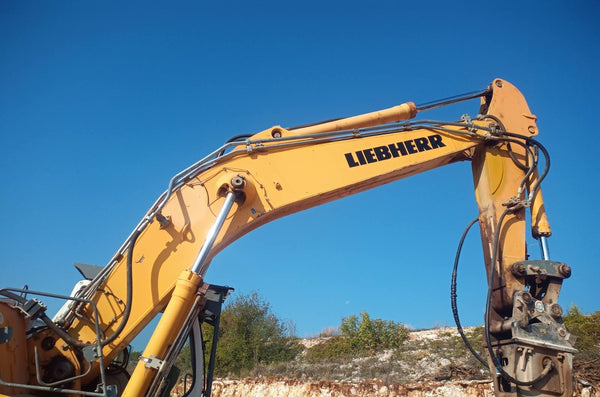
{"x": 258, "y": 178}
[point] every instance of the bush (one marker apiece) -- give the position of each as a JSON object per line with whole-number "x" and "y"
{"x": 587, "y": 330}
{"x": 359, "y": 337}
{"x": 336, "y": 347}
{"x": 373, "y": 335}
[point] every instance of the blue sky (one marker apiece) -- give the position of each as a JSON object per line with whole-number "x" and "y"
{"x": 102, "y": 102}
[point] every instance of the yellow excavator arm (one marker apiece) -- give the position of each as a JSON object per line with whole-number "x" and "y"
{"x": 255, "y": 179}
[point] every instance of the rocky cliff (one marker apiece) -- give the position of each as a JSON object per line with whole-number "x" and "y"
{"x": 271, "y": 387}
{"x": 432, "y": 363}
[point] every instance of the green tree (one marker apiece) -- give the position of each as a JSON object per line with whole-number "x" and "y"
{"x": 134, "y": 357}
{"x": 184, "y": 359}
{"x": 250, "y": 334}
{"x": 587, "y": 330}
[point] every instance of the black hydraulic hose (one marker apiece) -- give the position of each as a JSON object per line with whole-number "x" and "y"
{"x": 505, "y": 375}
{"x": 534, "y": 142}
{"x": 529, "y": 170}
{"x": 453, "y": 295}
{"x": 129, "y": 298}
{"x": 542, "y": 176}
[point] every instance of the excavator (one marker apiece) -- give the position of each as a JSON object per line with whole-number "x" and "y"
{"x": 254, "y": 179}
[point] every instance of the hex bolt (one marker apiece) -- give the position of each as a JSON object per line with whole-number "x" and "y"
{"x": 564, "y": 270}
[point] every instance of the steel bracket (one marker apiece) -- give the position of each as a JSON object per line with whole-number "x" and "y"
{"x": 152, "y": 362}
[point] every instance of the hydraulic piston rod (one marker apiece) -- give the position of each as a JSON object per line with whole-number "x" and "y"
{"x": 448, "y": 101}
{"x": 200, "y": 266}
{"x": 545, "y": 249}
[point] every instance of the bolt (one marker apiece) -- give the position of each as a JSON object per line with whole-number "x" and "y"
{"x": 276, "y": 133}
{"x": 531, "y": 129}
{"x": 527, "y": 298}
{"x": 164, "y": 221}
{"x": 535, "y": 268}
{"x": 237, "y": 182}
{"x": 539, "y": 306}
{"x": 562, "y": 332}
{"x": 518, "y": 269}
{"x": 556, "y": 311}
{"x": 48, "y": 343}
{"x": 499, "y": 83}
{"x": 564, "y": 270}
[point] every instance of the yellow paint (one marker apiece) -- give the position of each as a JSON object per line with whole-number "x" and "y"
{"x": 166, "y": 331}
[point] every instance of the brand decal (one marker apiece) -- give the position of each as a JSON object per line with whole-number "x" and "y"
{"x": 404, "y": 148}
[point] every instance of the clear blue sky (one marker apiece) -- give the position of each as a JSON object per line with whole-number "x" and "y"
{"x": 102, "y": 102}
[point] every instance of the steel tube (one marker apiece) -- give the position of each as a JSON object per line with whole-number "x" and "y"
{"x": 545, "y": 249}
{"x": 199, "y": 266}
{"x": 451, "y": 100}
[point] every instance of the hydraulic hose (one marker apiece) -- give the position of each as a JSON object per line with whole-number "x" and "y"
{"x": 129, "y": 298}
{"x": 453, "y": 295}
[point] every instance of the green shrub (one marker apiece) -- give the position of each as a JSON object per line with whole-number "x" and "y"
{"x": 360, "y": 336}
{"x": 587, "y": 330}
{"x": 373, "y": 335}
{"x": 336, "y": 347}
